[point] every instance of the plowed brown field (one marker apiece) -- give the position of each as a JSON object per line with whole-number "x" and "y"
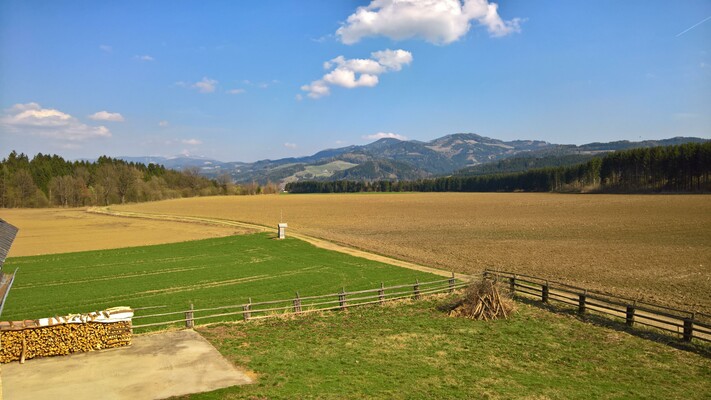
{"x": 647, "y": 247}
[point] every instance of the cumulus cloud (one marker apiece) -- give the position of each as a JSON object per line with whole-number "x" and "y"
{"x": 385, "y": 135}
{"x": 106, "y": 116}
{"x": 144, "y": 58}
{"x": 206, "y": 85}
{"x": 31, "y": 118}
{"x": 191, "y": 142}
{"x": 236, "y": 91}
{"x": 163, "y": 123}
{"x": 290, "y": 145}
{"x": 436, "y": 21}
{"x": 357, "y": 72}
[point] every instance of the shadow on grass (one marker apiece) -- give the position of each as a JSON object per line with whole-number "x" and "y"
{"x": 643, "y": 332}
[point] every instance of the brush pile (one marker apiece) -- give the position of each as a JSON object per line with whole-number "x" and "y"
{"x": 482, "y": 301}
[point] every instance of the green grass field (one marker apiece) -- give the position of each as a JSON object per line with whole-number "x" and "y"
{"x": 412, "y": 350}
{"x": 211, "y": 272}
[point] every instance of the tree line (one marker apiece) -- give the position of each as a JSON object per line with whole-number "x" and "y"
{"x": 49, "y": 180}
{"x": 680, "y": 168}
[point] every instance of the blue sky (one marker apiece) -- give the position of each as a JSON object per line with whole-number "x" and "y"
{"x": 242, "y": 81}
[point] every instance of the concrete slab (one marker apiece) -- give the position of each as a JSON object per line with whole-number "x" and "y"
{"x": 154, "y": 367}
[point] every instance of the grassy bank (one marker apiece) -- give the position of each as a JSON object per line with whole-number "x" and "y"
{"x": 414, "y": 351}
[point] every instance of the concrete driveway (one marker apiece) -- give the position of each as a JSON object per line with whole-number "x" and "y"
{"x": 155, "y": 366}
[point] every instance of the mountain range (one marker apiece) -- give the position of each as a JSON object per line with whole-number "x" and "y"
{"x": 459, "y": 153}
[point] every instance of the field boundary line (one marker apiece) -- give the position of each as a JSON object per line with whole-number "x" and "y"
{"x": 318, "y": 242}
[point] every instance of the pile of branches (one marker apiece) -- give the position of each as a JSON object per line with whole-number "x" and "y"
{"x": 482, "y": 301}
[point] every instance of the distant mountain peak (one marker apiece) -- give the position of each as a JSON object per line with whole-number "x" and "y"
{"x": 391, "y": 158}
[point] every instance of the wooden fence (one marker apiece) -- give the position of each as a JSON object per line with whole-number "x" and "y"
{"x": 296, "y": 305}
{"x": 688, "y": 325}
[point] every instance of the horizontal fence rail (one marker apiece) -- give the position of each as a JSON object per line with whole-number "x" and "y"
{"x": 686, "y": 324}
{"x": 293, "y": 306}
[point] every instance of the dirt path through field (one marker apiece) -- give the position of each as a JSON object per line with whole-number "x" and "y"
{"x": 324, "y": 244}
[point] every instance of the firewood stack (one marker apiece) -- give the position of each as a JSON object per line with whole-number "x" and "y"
{"x": 64, "y": 335}
{"x": 482, "y": 301}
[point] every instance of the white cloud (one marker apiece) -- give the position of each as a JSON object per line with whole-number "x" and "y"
{"x": 236, "y": 91}
{"x": 436, "y": 21}
{"x": 163, "y": 124}
{"x": 191, "y": 142}
{"x": 290, "y": 145}
{"x": 316, "y": 89}
{"x": 206, "y": 85}
{"x": 385, "y": 135}
{"x": 105, "y": 47}
{"x": 357, "y": 72}
{"x": 393, "y": 60}
{"x": 32, "y": 119}
{"x": 144, "y": 58}
{"x": 106, "y": 116}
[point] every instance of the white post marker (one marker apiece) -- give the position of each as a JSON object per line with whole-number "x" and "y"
{"x": 282, "y": 231}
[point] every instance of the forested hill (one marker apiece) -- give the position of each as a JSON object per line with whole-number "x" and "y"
{"x": 525, "y": 163}
{"x": 48, "y": 180}
{"x": 682, "y": 168}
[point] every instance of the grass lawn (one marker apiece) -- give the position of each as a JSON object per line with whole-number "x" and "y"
{"x": 414, "y": 351}
{"x": 210, "y": 272}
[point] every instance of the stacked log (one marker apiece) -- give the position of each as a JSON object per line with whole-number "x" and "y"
{"x": 27, "y": 339}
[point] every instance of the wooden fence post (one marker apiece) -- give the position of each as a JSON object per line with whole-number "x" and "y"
{"x": 689, "y": 328}
{"x": 189, "y": 322}
{"x": 416, "y": 289}
{"x": 342, "y": 299}
{"x": 451, "y": 283}
{"x": 381, "y": 293}
{"x": 581, "y": 302}
{"x": 629, "y": 320}
{"x": 297, "y": 304}
{"x": 544, "y": 293}
{"x": 512, "y": 282}
{"x": 247, "y": 310}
